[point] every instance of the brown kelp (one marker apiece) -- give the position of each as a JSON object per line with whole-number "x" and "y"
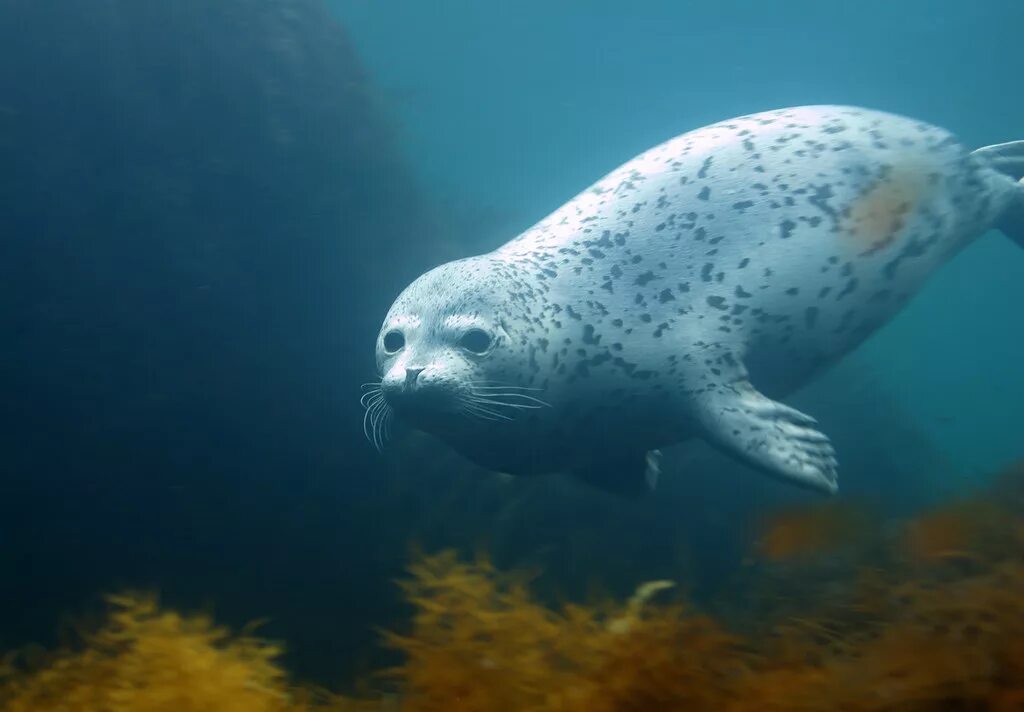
{"x": 838, "y": 612}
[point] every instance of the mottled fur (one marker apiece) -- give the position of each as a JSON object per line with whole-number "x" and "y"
{"x": 682, "y": 293}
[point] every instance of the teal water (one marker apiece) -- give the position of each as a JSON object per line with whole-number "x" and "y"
{"x": 207, "y": 206}
{"x": 507, "y": 109}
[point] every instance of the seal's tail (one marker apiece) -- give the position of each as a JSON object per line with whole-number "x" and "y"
{"x": 1008, "y": 158}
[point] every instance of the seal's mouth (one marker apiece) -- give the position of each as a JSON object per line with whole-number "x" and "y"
{"x": 437, "y": 406}
{"x": 422, "y": 408}
{"x": 414, "y": 396}
{"x": 419, "y": 408}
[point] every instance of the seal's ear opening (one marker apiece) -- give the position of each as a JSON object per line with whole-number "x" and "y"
{"x": 502, "y": 329}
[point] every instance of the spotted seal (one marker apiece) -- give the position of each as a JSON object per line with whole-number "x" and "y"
{"x": 685, "y": 292}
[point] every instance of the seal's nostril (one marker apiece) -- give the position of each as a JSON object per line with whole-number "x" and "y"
{"x": 410, "y": 376}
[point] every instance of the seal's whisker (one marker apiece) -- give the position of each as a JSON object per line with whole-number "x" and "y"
{"x": 385, "y": 425}
{"x": 370, "y": 398}
{"x": 503, "y": 404}
{"x": 367, "y": 421}
{"x": 512, "y": 400}
{"x": 494, "y": 398}
{"x": 373, "y": 410}
{"x": 497, "y": 404}
{"x": 377, "y": 418}
{"x": 480, "y": 409}
{"x": 474, "y": 414}
{"x": 477, "y": 409}
{"x": 375, "y": 423}
{"x": 506, "y": 387}
{"x": 380, "y": 413}
{"x": 492, "y": 382}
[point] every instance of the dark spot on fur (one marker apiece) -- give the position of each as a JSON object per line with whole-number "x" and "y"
{"x": 703, "y": 172}
{"x": 822, "y": 194}
{"x": 850, "y": 287}
{"x": 644, "y": 278}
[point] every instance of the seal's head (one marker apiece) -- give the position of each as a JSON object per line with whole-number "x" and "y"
{"x": 449, "y": 353}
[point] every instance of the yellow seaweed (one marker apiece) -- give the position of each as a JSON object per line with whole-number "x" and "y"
{"x": 931, "y": 618}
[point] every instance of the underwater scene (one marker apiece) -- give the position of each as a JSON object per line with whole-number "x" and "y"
{"x": 472, "y": 355}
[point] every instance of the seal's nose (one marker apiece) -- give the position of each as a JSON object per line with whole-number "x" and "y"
{"x": 411, "y": 374}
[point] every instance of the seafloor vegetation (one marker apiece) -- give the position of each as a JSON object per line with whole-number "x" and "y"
{"x": 837, "y": 611}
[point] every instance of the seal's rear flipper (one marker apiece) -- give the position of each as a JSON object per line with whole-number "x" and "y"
{"x": 768, "y": 435}
{"x": 629, "y": 474}
{"x": 1012, "y": 222}
{"x": 1008, "y": 159}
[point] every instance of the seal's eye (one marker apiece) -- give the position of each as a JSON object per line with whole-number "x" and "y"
{"x": 393, "y": 341}
{"x": 476, "y": 341}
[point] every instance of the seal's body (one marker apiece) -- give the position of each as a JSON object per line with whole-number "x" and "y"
{"x": 688, "y": 288}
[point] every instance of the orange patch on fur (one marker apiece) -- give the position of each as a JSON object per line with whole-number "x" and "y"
{"x": 882, "y": 212}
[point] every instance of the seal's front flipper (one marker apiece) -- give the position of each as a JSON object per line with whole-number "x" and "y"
{"x": 629, "y": 474}
{"x": 768, "y": 435}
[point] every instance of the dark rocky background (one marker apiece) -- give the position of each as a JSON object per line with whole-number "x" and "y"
{"x": 203, "y": 217}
